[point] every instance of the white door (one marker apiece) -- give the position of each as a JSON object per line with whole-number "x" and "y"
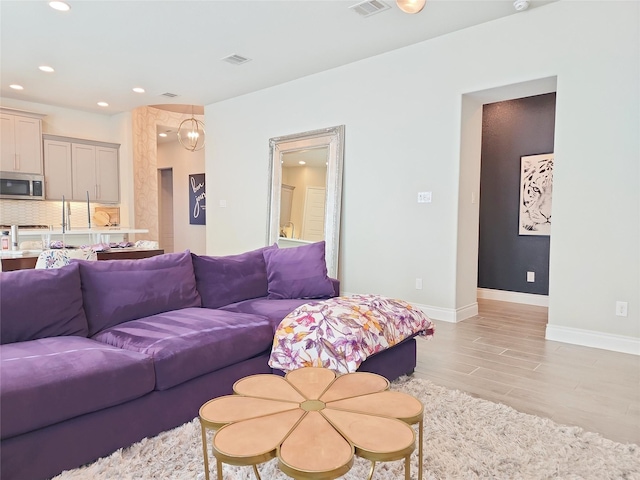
{"x": 313, "y": 217}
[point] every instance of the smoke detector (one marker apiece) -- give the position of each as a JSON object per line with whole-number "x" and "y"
{"x": 521, "y": 5}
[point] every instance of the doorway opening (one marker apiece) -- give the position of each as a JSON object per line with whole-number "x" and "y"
{"x": 467, "y": 292}
{"x": 165, "y": 207}
{"x": 516, "y": 134}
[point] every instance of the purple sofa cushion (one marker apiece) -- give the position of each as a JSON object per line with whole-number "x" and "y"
{"x": 117, "y": 291}
{"x": 233, "y": 278}
{"x": 41, "y": 303}
{"x": 50, "y": 380}
{"x": 274, "y": 310}
{"x": 191, "y": 342}
{"x": 299, "y": 272}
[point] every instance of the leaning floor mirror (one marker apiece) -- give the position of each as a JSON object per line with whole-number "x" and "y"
{"x": 305, "y": 190}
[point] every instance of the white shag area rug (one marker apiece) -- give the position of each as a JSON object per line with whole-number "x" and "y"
{"x": 464, "y": 438}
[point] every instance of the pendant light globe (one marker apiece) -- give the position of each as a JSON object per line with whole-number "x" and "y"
{"x": 191, "y": 134}
{"x": 411, "y": 6}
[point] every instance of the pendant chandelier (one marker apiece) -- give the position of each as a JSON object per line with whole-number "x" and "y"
{"x": 411, "y": 6}
{"x": 191, "y": 133}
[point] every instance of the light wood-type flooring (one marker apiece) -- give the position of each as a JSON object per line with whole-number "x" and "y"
{"x": 501, "y": 355}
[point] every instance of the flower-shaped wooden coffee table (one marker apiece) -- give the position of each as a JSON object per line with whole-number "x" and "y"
{"x": 314, "y": 422}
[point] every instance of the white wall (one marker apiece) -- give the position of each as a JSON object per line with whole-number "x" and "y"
{"x": 70, "y": 123}
{"x": 402, "y": 112}
{"x": 173, "y": 155}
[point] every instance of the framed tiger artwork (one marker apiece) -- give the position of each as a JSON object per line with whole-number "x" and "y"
{"x": 536, "y": 191}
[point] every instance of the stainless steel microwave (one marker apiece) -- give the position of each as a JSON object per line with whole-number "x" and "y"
{"x": 21, "y": 186}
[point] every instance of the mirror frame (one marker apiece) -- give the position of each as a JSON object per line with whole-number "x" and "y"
{"x": 333, "y": 138}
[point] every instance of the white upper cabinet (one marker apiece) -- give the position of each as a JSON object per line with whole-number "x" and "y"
{"x": 76, "y": 168}
{"x": 84, "y": 171}
{"x": 57, "y": 169}
{"x": 21, "y": 143}
{"x": 107, "y": 175}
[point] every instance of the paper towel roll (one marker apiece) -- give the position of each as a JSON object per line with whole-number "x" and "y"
{"x": 14, "y": 237}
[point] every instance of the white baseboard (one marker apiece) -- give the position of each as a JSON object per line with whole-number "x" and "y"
{"x": 589, "y": 338}
{"x": 452, "y": 315}
{"x": 467, "y": 312}
{"x": 514, "y": 297}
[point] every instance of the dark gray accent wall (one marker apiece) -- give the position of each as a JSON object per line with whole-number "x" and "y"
{"x": 510, "y": 130}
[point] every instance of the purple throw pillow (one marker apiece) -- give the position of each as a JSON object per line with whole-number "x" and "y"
{"x": 41, "y": 303}
{"x": 116, "y": 291}
{"x": 225, "y": 280}
{"x": 299, "y": 272}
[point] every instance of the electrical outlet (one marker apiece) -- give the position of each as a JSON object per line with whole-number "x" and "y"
{"x": 621, "y": 309}
{"x": 531, "y": 277}
{"x": 424, "y": 197}
{"x": 223, "y": 204}
{"x": 418, "y": 284}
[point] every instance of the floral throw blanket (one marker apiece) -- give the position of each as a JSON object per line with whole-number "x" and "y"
{"x": 340, "y": 333}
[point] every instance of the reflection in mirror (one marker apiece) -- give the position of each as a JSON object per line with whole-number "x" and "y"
{"x": 306, "y": 190}
{"x": 303, "y": 195}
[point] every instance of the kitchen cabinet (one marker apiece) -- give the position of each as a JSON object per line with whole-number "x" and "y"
{"x": 21, "y": 146}
{"x": 74, "y": 167}
{"x": 57, "y": 170}
{"x": 95, "y": 170}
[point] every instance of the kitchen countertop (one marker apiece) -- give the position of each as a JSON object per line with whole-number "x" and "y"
{"x": 81, "y": 231}
{"x": 28, "y": 258}
{"x": 35, "y": 253}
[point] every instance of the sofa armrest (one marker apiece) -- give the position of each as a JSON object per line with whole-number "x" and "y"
{"x": 336, "y": 286}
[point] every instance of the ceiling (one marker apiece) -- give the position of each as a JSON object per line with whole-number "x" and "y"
{"x": 314, "y": 157}
{"x": 101, "y": 50}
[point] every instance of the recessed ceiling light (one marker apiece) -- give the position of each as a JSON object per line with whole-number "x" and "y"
{"x": 162, "y": 135}
{"x": 60, "y": 6}
{"x": 46, "y": 68}
{"x": 138, "y": 89}
{"x": 15, "y": 86}
{"x": 302, "y": 162}
{"x": 103, "y": 104}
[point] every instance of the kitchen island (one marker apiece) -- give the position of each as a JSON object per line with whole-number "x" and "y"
{"x": 74, "y": 238}
{"x": 79, "y": 236}
{"x": 28, "y": 259}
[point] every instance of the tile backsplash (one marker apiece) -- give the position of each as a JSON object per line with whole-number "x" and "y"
{"x": 36, "y": 212}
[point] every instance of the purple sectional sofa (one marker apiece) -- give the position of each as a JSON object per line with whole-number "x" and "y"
{"x": 95, "y": 356}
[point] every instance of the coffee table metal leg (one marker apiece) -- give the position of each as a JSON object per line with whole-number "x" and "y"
{"x": 407, "y": 467}
{"x": 219, "y": 468}
{"x": 205, "y": 453}
{"x": 255, "y": 470}
{"x": 420, "y": 439}
{"x": 373, "y": 467}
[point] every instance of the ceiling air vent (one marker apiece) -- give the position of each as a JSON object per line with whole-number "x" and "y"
{"x": 236, "y": 59}
{"x": 369, "y": 7}
{"x": 170, "y": 95}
